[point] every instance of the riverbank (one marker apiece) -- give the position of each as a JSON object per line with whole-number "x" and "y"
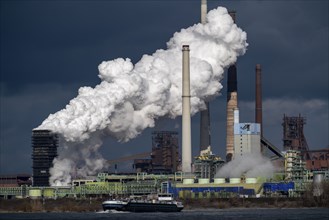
{"x": 94, "y": 205}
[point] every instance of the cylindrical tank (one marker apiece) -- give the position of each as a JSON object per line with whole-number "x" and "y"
{"x": 251, "y": 180}
{"x": 317, "y": 184}
{"x": 35, "y": 193}
{"x": 203, "y": 181}
{"x": 48, "y": 192}
{"x": 219, "y": 180}
{"x": 235, "y": 180}
{"x": 188, "y": 181}
{"x": 317, "y": 178}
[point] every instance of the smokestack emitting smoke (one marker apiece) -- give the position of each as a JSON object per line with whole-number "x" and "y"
{"x": 131, "y": 97}
{"x": 204, "y": 114}
{"x": 232, "y": 103}
{"x": 203, "y": 11}
{"x": 186, "y": 113}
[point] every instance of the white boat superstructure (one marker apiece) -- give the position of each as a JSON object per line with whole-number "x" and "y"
{"x": 113, "y": 204}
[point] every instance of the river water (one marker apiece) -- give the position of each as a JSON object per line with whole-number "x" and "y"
{"x": 206, "y": 214}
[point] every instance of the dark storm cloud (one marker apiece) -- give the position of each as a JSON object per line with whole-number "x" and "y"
{"x": 51, "y": 48}
{"x": 65, "y": 41}
{"x": 289, "y": 39}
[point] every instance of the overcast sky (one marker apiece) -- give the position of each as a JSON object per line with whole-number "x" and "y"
{"x": 51, "y": 48}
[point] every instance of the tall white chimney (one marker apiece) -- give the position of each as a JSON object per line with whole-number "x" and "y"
{"x": 203, "y": 11}
{"x": 186, "y": 114}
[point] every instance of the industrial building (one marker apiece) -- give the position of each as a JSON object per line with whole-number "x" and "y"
{"x": 164, "y": 155}
{"x": 293, "y": 133}
{"x": 15, "y": 180}
{"x": 319, "y": 160}
{"x": 294, "y": 139}
{"x": 44, "y": 144}
{"x": 246, "y": 139}
{"x": 207, "y": 164}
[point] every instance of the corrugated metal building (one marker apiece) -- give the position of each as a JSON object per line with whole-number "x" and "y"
{"x": 246, "y": 138}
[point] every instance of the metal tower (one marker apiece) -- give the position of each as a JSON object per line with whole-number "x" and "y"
{"x": 293, "y": 134}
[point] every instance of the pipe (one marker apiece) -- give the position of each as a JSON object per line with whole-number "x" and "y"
{"x": 186, "y": 113}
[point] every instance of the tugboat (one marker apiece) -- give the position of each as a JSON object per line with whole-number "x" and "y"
{"x": 157, "y": 203}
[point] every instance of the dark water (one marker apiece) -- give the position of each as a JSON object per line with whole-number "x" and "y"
{"x": 246, "y": 214}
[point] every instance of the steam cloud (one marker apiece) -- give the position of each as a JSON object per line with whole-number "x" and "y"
{"x": 131, "y": 97}
{"x": 251, "y": 165}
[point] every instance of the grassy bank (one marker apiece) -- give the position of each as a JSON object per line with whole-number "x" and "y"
{"x": 51, "y": 205}
{"x": 254, "y": 203}
{"x": 92, "y": 205}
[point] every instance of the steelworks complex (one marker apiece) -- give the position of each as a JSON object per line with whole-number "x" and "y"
{"x": 167, "y": 170}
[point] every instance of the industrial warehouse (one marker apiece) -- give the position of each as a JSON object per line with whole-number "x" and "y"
{"x": 166, "y": 169}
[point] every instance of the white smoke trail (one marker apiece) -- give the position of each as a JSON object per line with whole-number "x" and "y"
{"x": 250, "y": 165}
{"x": 131, "y": 97}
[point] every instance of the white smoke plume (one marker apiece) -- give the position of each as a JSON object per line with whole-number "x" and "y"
{"x": 250, "y": 165}
{"x": 131, "y": 97}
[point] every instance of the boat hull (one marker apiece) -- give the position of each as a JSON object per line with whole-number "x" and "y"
{"x": 113, "y": 205}
{"x": 150, "y": 207}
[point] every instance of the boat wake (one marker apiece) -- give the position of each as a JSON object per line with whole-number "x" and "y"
{"x": 116, "y": 211}
{"x": 106, "y": 211}
{"x": 111, "y": 211}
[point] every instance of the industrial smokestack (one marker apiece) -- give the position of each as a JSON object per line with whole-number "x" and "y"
{"x": 232, "y": 103}
{"x": 258, "y": 107}
{"x": 232, "y": 14}
{"x": 205, "y": 128}
{"x": 204, "y": 114}
{"x": 258, "y": 102}
{"x": 203, "y": 11}
{"x": 186, "y": 114}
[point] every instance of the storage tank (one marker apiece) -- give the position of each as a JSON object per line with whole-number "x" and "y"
{"x": 49, "y": 192}
{"x": 235, "y": 180}
{"x": 317, "y": 184}
{"x": 203, "y": 181}
{"x": 251, "y": 180}
{"x": 188, "y": 181}
{"x": 219, "y": 180}
{"x": 35, "y": 193}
